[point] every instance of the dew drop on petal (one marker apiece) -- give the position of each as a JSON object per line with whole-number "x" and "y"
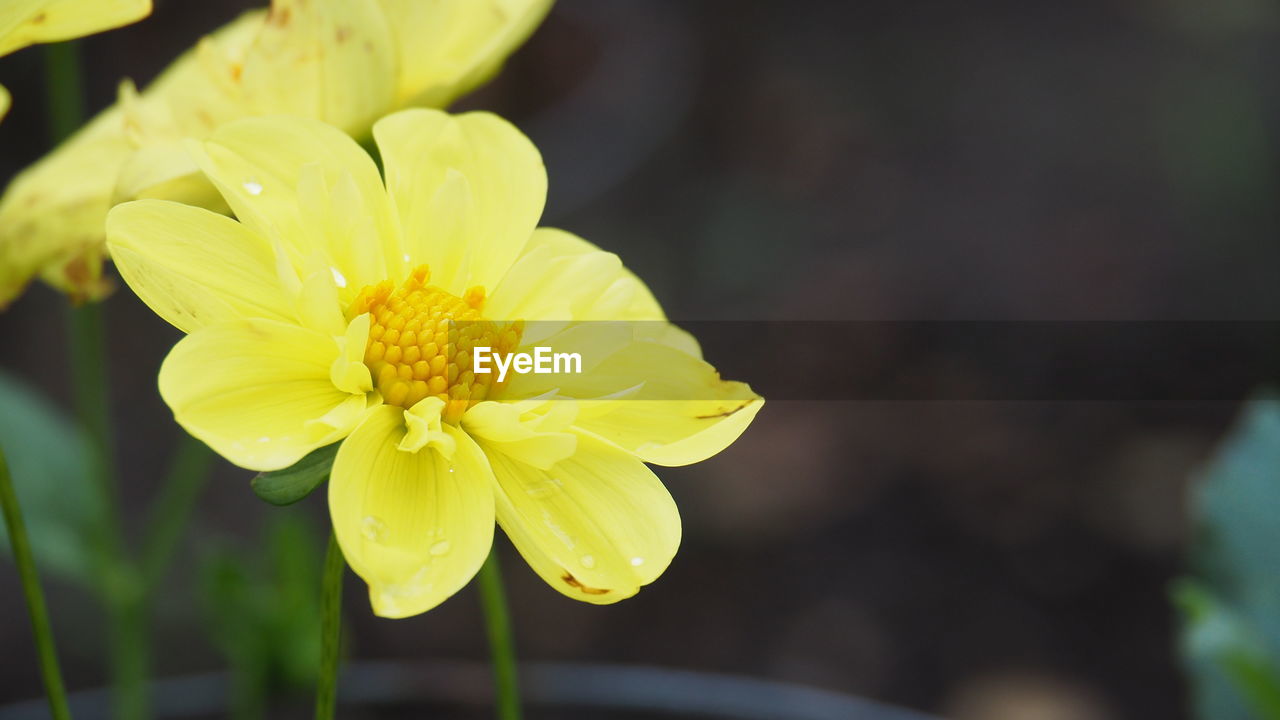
{"x": 587, "y": 561}
{"x": 373, "y": 528}
{"x": 559, "y": 532}
{"x": 440, "y": 548}
{"x": 411, "y": 587}
{"x": 264, "y": 439}
{"x": 338, "y": 278}
{"x": 637, "y": 561}
{"x": 252, "y": 186}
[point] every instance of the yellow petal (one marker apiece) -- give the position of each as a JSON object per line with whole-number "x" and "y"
{"x": 308, "y": 185}
{"x": 328, "y": 59}
{"x": 332, "y": 59}
{"x": 597, "y": 526}
{"x": 4, "y": 102}
{"x": 349, "y": 373}
{"x": 448, "y": 47}
{"x": 469, "y": 190}
{"x": 193, "y": 267}
{"x": 416, "y": 526}
{"x": 522, "y": 432}
{"x": 672, "y": 409}
{"x": 560, "y": 276}
{"x": 258, "y": 391}
{"x": 163, "y": 169}
{"x": 424, "y": 427}
{"x": 26, "y": 22}
{"x": 52, "y": 214}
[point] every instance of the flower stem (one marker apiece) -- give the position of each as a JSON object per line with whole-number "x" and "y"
{"x": 40, "y": 628}
{"x": 330, "y": 630}
{"x": 65, "y": 89}
{"x": 502, "y": 648}
{"x": 188, "y": 470}
{"x": 120, "y": 580}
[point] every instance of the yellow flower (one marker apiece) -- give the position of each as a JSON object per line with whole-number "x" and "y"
{"x": 27, "y": 22}
{"x": 346, "y": 62}
{"x": 325, "y": 314}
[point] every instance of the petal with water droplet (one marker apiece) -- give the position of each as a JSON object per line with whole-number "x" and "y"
{"x": 413, "y": 531}
{"x": 591, "y": 516}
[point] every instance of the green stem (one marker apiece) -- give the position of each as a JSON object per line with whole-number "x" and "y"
{"x": 502, "y": 648}
{"x": 330, "y": 630}
{"x": 188, "y": 471}
{"x": 120, "y": 580}
{"x": 65, "y": 88}
{"x": 40, "y": 628}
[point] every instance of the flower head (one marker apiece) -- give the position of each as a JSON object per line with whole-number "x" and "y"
{"x": 346, "y": 62}
{"x": 27, "y": 22}
{"x": 342, "y": 307}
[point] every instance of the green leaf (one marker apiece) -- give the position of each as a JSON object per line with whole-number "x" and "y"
{"x": 1231, "y": 609}
{"x": 49, "y": 460}
{"x": 263, "y": 608}
{"x": 1234, "y": 678}
{"x": 288, "y": 486}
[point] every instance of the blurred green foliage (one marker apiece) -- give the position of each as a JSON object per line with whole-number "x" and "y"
{"x": 49, "y": 458}
{"x": 1231, "y": 603}
{"x": 263, "y": 611}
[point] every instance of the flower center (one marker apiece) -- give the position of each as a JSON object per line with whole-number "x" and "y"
{"x": 421, "y": 340}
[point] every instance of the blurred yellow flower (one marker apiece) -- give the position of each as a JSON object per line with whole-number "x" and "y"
{"x": 346, "y": 62}
{"x": 342, "y": 308}
{"x": 27, "y": 22}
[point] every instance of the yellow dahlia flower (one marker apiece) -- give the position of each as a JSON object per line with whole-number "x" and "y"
{"x": 342, "y": 307}
{"x": 346, "y": 62}
{"x": 27, "y": 22}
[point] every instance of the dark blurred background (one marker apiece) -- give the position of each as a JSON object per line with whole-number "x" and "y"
{"x": 873, "y": 160}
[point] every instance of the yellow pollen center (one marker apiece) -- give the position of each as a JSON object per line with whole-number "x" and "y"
{"x": 421, "y": 340}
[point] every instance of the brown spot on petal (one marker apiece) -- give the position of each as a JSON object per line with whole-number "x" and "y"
{"x": 279, "y": 15}
{"x": 39, "y": 18}
{"x": 343, "y": 34}
{"x": 78, "y": 271}
{"x": 725, "y": 413}
{"x": 573, "y": 582}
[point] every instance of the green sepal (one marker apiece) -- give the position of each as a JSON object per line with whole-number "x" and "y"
{"x": 288, "y": 486}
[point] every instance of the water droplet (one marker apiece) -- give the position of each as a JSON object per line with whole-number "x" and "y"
{"x": 450, "y": 468}
{"x": 539, "y": 488}
{"x": 440, "y": 548}
{"x": 338, "y": 278}
{"x": 564, "y": 537}
{"x": 414, "y": 586}
{"x": 253, "y": 187}
{"x": 406, "y": 257}
{"x": 373, "y": 528}
{"x": 587, "y": 561}
{"x": 637, "y": 561}
{"x": 264, "y": 439}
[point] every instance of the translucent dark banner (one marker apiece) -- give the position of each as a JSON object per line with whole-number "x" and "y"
{"x": 1068, "y": 361}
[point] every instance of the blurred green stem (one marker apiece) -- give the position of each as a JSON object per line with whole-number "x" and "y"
{"x": 330, "y": 630}
{"x": 502, "y": 648}
{"x": 65, "y": 89}
{"x": 39, "y": 614}
{"x": 120, "y": 580}
{"x": 188, "y": 470}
